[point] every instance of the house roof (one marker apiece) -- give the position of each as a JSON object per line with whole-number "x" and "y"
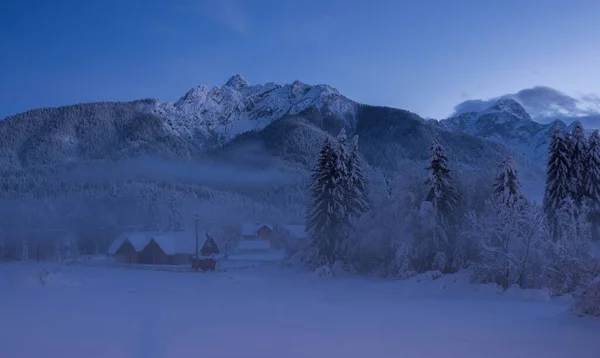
{"x": 209, "y": 246}
{"x": 253, "y": 245}
{"x": 253, "y": 227}
{"x": 138, "y": 240}
{"x": 180, "y": 242}
{"x": 298, "y": 231}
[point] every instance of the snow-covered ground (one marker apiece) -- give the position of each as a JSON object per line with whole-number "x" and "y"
{"x": 276, "y": 312}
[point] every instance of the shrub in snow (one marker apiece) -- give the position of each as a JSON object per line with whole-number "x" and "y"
{"x": 339, "y": 268}
{"x": 296, "y": 259}
{"x": 429, "y": 276}
{"x": 589, "y": 301}
{"x": 511, "y": 243}
{"x": 323, "y": 271}
{"x": 571, "y": 260}
{"x": 517, "y": 293}
{"x": 42, "y": 276}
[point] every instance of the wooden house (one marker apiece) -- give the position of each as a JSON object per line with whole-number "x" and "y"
{"x": 166, "y": 248}
{"x": 208, "y": 257}
{"x": 126, "y": 252}
{"x": 209, "y": 247}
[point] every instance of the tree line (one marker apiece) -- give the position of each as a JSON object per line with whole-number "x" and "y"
{"x": 436, "y": 224}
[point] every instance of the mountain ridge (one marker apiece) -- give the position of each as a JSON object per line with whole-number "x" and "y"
{"x": 283, "y": 128}
{"x": 506, "y": 121}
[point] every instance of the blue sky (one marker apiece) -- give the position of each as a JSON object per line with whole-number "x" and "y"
{"x": 421, "y": 55}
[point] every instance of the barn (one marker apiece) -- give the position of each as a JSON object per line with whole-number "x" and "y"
{"x": 166, "y": 248}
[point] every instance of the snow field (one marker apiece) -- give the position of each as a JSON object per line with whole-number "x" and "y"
{"x": 276, "y": 312}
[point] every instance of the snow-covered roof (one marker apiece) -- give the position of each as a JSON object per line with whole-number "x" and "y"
{"x": 138, "y": 240}
{"x": 180, "y": 242}
{"x": 253, "y": 245}
{"x": 253, "y": 227}
{"x": 298, "y": 231}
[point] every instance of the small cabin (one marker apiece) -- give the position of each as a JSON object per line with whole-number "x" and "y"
{"x": 207, "y": 260}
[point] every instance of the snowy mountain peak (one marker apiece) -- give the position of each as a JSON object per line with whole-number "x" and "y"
{"x": 512, "y": 107}
{"x": 238, "y": 107}
{"x": 197, "y": 94}
{"x": 505, "y": 121}
{"x": 236, "y": 81}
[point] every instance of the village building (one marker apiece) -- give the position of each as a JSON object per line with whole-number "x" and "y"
{"x": 209, "y": 255}
{"x": 257, "y": 231}
{"x": 168, "y": 248}
{"x": 258, "y": 243}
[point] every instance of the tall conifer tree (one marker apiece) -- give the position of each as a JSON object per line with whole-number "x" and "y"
{"x": 577, "y": 157}
{"x": 441, "y": 192}
{"x": 506, "y": 184}
{"x": 558, "y": 182}
{"x": 325, "y": 214}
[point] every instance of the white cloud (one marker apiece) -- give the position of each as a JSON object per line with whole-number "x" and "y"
{"x": 545, "y": 104}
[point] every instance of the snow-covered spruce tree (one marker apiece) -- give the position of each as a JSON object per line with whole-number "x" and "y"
{"x": 342, "y": 187}
{"x": 325, "y": 214}
{"x": 570, "y": 254}
{"x": 511, "y": 240}
{"x": 558, "y": 182}
{"x": 579, "y": 148}
{"x": 441, "y": 192}
{"x": 358, "y": 197}
{"x": 506, "y": 184}
{"x": 592, "y": 183}
{"x": 443, "y": 197}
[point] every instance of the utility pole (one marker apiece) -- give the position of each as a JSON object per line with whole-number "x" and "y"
{"x": 196, "y": 265}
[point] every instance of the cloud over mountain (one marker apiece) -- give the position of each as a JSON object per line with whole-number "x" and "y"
{"x": 545, "y": 104}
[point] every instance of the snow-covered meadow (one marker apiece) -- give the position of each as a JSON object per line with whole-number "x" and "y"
{"x": 277, "y": 312}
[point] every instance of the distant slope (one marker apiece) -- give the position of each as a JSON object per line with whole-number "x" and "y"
{"x": 88, "y": 132}
{"x": 393, "y": 140}
{"x": 506, "y": 122}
